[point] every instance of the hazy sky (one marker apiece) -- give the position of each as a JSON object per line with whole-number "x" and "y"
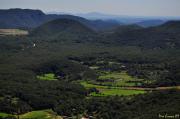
{"x": 118, "y": 7}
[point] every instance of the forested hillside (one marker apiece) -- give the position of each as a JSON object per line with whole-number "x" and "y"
{"x": 164, "y": 36}
{"x": 63, "y": 65}
{"x": 28, "y": 19}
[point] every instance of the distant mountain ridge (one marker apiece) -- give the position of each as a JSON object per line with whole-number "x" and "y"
{"x": 14, "y": 18}
{"x": 164, "y": 36}
{"x": 143, "y": 21}
{"x": 28, "y": 18}
{"x": 150, "y": 23}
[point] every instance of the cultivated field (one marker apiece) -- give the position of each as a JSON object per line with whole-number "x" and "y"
{"x": 111, "y": 91}
{"x": 13, "y": 32}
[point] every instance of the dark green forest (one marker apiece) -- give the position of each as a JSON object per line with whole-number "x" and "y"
{"x": 68, "y": 49}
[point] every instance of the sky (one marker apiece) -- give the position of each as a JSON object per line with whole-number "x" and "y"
{"x": 115, "y": 7}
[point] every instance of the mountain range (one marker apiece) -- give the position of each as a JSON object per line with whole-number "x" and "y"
{"x": 143, "y": 21}
{"x": 75, "y": 27}
{"x": 163, "y": 36}
{"x": 29, "y": 18}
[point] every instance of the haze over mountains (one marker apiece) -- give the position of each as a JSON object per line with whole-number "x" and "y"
{"x": 27, "y": 18}
{"x": 125, "y": 19}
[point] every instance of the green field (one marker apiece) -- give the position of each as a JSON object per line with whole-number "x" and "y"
{"x": 41, "y": 114}
{"x": 111, "y": 91}
{"x": 118, "y": 79}
{"x": 112, "y": 83}
{"x": 4, "y": 115}
{"x": 13, "y": 32}
{"x": 49, "y": 76}
{"x": 119, "y": 92}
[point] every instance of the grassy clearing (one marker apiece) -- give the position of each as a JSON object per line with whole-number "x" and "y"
{"x": 112, "y": 83}
{"x": 13, "y": 32}
{"x": 4, "y": 115}
{"x": 119, "y": 79}
{"x": 41, "y": 114}
{"x": 49, "y": 76}
{"x": 111, "y": 91}
{"x": 119, "y": 92}
{"x": 89, "y": 85}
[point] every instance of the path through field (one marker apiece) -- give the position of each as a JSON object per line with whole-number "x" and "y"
{"x": 152, "y": 89}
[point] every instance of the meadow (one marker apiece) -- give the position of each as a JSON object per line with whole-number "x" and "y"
{"x": 48, "y": 76}
{"x": 40, "y": 114}
{"x": 13, "y": 32}
{"x": 110, "y": 91}
{"x": 4, "y": 115}
{"x": 119, "y": 79}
